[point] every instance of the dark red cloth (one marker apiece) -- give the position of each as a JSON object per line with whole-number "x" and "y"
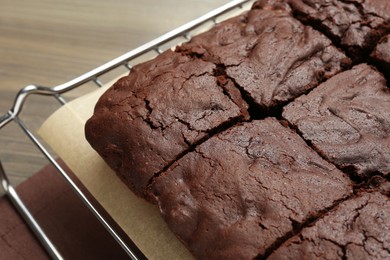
{"x": 70, "y": 225}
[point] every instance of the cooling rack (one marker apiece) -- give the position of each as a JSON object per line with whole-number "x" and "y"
{"x": 13, "y": 116}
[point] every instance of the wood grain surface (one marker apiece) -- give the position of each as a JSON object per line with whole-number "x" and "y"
{"x": 47, "y": 43}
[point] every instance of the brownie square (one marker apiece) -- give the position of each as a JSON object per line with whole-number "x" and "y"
{"x": 347, "y": 120}
{"x": 245, "y": 188}
{"x": 271, "y": 56}
{"x": 358, "y": 229}
{"x": 355, "y": 24}
{"x": 153, "y": 115}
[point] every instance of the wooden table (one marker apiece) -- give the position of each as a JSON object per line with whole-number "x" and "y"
{"x": 47, "y": 42}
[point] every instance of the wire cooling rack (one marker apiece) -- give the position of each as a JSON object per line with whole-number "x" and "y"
{"x": 13, "y": 116}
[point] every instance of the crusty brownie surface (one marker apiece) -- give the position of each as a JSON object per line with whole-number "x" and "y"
{"x": 355, "y": 24}
{"x": 195, "y": 131}
{"x": 243, "y": 189}
{"x": 153, "y": 115}
{"x": 269, "y": 54}
{"x": 358, "y": 229}
{"x": 347, "y": 119}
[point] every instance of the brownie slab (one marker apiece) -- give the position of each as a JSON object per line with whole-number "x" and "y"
{"x": 355, "y": 24}
{"x": 270, "y": 55}
{"x": 148, "y": 118}
{"x": 358, "y": 229}
{"x": 347, "y": 120}
{"x": 244, "y": 188}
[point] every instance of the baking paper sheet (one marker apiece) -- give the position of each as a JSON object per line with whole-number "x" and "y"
{"x": 142, "y": 222}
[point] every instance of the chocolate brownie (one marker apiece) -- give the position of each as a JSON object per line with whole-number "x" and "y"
{"x": 347, "y": 120}
{"x": 174, "y": 131}
{"x": 381, "y": 54}
{"x": 355, "y": 24}
{"x": 244, "y": 188}
{"x": 271, "y": 56}
{"x": 147, "y": 119}
{"x": 358, "y": 229}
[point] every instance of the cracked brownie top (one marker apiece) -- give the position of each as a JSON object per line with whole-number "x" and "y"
{"x": 243, "y": 189}
{"x": 147, "y": 119}
{"x": 270, "y": 55}
{"x": 357, "y": 229}
{"x": 195, "y": 131}
{"x": 347, "y": 120}
{"x": 355, "y": 24}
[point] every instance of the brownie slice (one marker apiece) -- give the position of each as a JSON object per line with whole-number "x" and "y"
{"x": 149, "y": 118}
{"x": 355, "y": 24}
{"x": 271, "y": 56}
{"x": 358, "y": 229}
{"x": 347, "y": 120}
{"x": 244, "y": 188}
{"x": 381, "y": 55}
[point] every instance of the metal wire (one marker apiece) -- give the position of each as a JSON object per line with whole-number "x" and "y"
{"x": 28, "y": 217}
{"x": 76, "y": 188}
{"x": 56, "y": 91}
{"x": 98, "y": 82}
{"x": 60, "y": 99}
{"x": 128, "y": 66}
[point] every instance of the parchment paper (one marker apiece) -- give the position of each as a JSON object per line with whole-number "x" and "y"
{"x": 142, "y": 222}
